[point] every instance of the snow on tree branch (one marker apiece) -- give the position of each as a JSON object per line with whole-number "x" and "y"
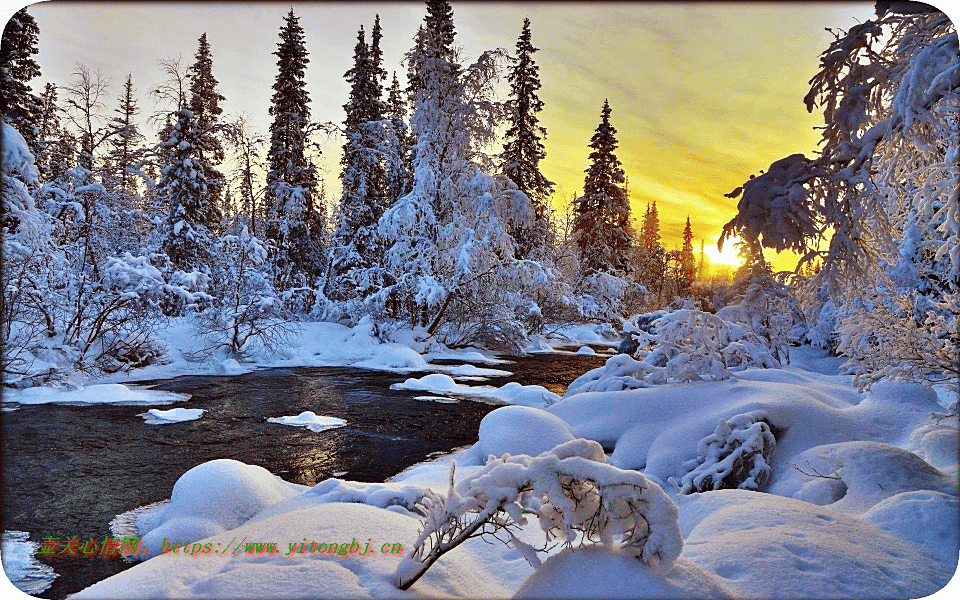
{"x": 571, "y": 490}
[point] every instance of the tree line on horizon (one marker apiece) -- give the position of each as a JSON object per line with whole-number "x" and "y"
{"x": 106, "y": 233}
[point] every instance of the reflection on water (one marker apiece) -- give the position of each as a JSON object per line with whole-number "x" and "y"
{"x": 68, "y": 470}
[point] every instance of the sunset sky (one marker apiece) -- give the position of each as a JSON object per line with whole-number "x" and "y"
{"x": 703, "y": 95}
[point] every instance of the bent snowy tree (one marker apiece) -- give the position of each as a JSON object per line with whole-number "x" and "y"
{"x": 883, "y": 191}
{"x": 571, "y": 490}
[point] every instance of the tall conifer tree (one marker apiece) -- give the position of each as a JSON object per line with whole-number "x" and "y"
{"x": 523, "y": 149}
{"x": 603, "y": 212}
{"x": 191, "y": 182}
{"x": 125, "y": 141}
{"x": 364, "y": 196}
{"x": 688, "y": 263}
{"x": 293, "y": 221}
{"x": 398, "y": 174}
{"x": 205, "y": 105}
{"x": 18, "y": 105}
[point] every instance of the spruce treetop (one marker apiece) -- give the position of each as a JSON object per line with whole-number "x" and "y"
{"x": 18, "y": 106}
{"x": 439, "y": 22}
{"x": 523, "y": 149}
{"x": 605, "y": 173}
{"x": 205, "y": 99}
{"x": 290, "y": 94}
{"x": 290, "y": 109}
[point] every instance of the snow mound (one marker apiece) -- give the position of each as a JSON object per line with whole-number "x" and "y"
{"x": 521, "y": 430}
{"x": 20, "y": 565}
{"x": 435, "y": 382}
{"x": 766, "y": 546}
{"x": 468, "y": 370}
{"x": 331, "y": 344}
{"x": 599, "y": 573}
{"x": 869, "y": 471}
{"x": 938, "y": 445}
{"x": 586, "y": 350}
{"x": 310, "y": 420}
{"x": 928, "y": 519}
{"x": 477, "y": 571}
{"x": 106, "y": 393}
{"x": 155, "y": 416}
{"x": 536, "y": 396}
{"x": 466, "y": 356}
{"x": 213, "y": 497}
{"x": 584, "y": 333}
{"x": 402, "y": 498}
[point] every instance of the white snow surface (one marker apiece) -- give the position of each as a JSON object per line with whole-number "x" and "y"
{"x": 510, "y": 393}
{"x": 156, "y": 416}
{"x": 310, "y": 420}
{"x": 861, "y": 502}
{"x": 211, "y": 498}
{"x": 106, "y": 393}
{"x": 21, "y": 566}
{"x": 596, "y": 573}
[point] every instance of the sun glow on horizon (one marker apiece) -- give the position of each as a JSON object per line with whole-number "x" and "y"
{"x": 727, "y": 257}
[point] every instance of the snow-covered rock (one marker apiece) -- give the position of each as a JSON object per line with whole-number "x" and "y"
{"x": 310, "y": 420}
{"x": 521, "y": 430}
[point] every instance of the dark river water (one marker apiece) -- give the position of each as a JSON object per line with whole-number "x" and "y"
{"x": 68, "y": 470}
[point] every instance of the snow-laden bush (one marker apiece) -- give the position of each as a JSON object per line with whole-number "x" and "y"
{"x": 249, "y": 317}
{"x": 571, "y": 490}
{"x": 877, "y": 208}
{"x": 685, "y": 345}
{"x": 735, "y": 455}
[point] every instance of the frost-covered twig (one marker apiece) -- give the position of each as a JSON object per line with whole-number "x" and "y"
{"x": 572, "y": 492}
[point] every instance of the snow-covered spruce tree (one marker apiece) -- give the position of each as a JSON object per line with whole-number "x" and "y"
{"x": 188, "y": 241}
{"x": 205, "y": 106}
{"x": 600, "y": 228}
{"x": 126, "y": 148}
{"x": 448, "y": 253}
{"x": 355, "y": 248}
{"x": 55, "y": 146}
{"x": 688, "y": 265}
{"x": 885, "y": 184}
{"x": 293, "y": 223}
{"x": 650, "y": 257}
{"x": 398, "y": 173}
{"x": 603, "y": 211}
{"x": 523, "y": 147}
{"x": 18, "y": 105}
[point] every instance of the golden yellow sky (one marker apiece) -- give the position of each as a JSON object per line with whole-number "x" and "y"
{"x": 703, "y": 94}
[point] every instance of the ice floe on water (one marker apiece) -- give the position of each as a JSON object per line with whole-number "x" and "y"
{"x": 24, "y": 571}
{"x": 105, "y": 393}
{"x": 310, "y": 420}
{"x": 155, "y": 416}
